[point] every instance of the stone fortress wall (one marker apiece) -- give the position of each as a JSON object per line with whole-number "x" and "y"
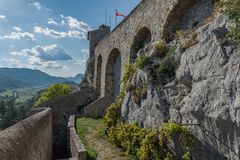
{"x": 30, "y": 139}
{"x": 149, "y": 22}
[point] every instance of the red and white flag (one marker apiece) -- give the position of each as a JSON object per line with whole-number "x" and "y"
{"x": 118, "y": 14}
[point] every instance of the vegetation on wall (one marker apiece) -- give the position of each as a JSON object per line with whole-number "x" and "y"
{"x": 164, "y": 69}
{"x": 54, "y": 91}
{"x": 142, "y": 61}
{"x": 147, "y": 144}
{"x": 161, "y": 48}
{"x": 165, "y": 143}
{"x": 129, "y": 70}
{"x": 189, "y": 42}
{"x": 231, "y": 9}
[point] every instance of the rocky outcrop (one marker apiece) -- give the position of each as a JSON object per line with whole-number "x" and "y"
{"x": 204, "y": 93}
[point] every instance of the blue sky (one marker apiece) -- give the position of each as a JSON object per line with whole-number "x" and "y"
{"x": 51, "y": 35}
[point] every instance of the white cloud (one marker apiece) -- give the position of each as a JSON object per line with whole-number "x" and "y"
{"x": 2, "y": 17}
{"x": 18, "y": 36}
{"x": 57, "y": 34}
{"x": 45, "y": 53}
{"x": 18, "y": 29}
{"x": 39, "y": 63}
{"x": 11, "y": 60}
{"x": 52, "y": 22}
{"x": 39, "y": 6}
{"x": 85, "y": 51}
{"x": 79, "y": 62}
{"x": 75, "y": 24}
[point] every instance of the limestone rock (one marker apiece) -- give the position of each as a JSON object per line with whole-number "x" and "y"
{"x": 204, "y": 95}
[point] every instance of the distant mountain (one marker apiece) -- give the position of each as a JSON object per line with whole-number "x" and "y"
{"x": 11, "y": 78}
{"x": 77, "y": 79}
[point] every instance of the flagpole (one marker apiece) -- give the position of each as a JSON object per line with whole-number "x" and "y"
{"x": 105, "y": 16}
{"x": 110, "y": 20}
{"x": 116, "y": 16}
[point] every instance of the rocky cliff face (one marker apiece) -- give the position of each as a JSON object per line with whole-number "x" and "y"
{"x": 204, "y": 93}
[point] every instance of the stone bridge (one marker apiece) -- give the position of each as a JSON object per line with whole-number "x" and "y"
{"x": 150, "y": 21}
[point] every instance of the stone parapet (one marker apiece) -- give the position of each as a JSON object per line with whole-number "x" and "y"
{"x": 30, "y": 139}
{"x": 76, "y": 147}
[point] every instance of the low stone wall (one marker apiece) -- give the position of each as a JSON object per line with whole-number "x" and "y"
{"x": 62, "y": 107}
{"x": 97, "y": 108}
{"x": 76, "y": 148}
{"x": 30, "y": 139}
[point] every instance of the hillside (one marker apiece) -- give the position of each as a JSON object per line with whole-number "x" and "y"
{"x": 19, "y": 78}
{"x": 76, "y": 79}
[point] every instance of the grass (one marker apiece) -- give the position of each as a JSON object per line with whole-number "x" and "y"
{"x": 83, "y": 125}
{"x": 231, "y": 9}
{"x": 129, "y": 70}
{"x": 92, "y": 134}
{"x": 142, "y": 61}
{"x": 161, "y": 48}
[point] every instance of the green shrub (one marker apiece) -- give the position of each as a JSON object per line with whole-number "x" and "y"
{"x": 161, "y": 48}
{"x": 141, "y": 91}
{"x": 52, "y": 92}
{"x": 142, "y": 61}
{"x": 149, "y": 149}
{"x": 121, "y": 96}
{"x": 91, "y": 154}
{"x": 164, "y": 69}
{"x": 179, "y": 34}
{"x": 112, "y": 115}
{"x": 156, "y": 144}
{"x": 129, "y": 136}
{"x": 186, "y": 156}
{"x": 130, "y": 87}
{"x": 129, "y": 70}
{"x": 147, "y": 145}
{"x": 231, "y": 8}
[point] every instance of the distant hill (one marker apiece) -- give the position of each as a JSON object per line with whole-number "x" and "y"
{"x": 11, "y": 78}
{"x": 77, "y": 79}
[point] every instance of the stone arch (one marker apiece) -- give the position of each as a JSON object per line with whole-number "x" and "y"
{"x": 113, "y": 74}
{"x": 175, "y": 18}
{"x": 99, "y": 73}
{"x": 142, "y": 38}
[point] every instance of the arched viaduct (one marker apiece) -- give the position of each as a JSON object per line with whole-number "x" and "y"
{"x": 150, "y": 21}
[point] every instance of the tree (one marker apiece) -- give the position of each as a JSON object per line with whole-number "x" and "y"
{"x": 11, "y": 115}
{"x": 52, "y": 92}
{"x": 22, "y": 112}
{"x": 2, "y": 108}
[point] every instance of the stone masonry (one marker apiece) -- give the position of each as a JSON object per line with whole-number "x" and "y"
{"x": 153, "y": 16}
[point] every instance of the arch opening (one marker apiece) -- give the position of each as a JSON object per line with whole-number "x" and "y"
{"x": 99, "y": 74}
{"x": 141, "y": 39}
{"x": 187, "y": 15}
{"x": 113, "y": 74}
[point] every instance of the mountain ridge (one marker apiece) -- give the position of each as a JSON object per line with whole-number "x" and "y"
{"x": 11, "y": 78}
